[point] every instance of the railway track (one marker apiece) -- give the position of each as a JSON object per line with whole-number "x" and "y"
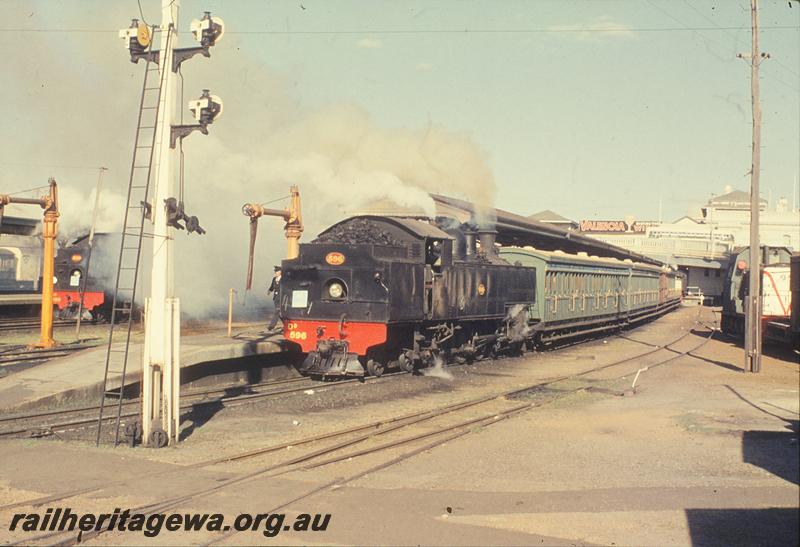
{"x": 21, "y": 354}
{"x": 28, "y": 424}
{"x": 24, "y": 323}
{"x": 414, "y": 433}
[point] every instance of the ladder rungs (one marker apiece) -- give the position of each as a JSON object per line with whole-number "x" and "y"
{"x": 141, "y": 166}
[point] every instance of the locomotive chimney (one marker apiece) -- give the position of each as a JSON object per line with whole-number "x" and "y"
{"x": 470, "y": 237}
{"x": 487, "y": 236}
{"x": 459, "y": 243}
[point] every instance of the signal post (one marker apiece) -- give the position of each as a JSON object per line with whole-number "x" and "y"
{"x": 161, "y": 353}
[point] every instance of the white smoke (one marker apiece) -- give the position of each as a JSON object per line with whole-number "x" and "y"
{"x": 267, "y": 140}
{"x": 341, "y": 161}
{"x": 437, "y": 370}
{"x": 77, "y": 208}
{"x": 517, "y": 320}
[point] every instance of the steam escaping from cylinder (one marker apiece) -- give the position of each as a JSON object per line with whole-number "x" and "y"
{"x": 437, "y": 370}
{"x": 517, "y": 321}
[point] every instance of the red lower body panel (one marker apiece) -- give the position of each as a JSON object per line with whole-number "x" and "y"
{"x": 90, "y": 299}
{"x": 359, "y": 336}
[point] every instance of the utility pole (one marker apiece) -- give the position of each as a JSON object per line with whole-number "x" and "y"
{"x": 752, "y": 337}
{"x": 85, "y": 276}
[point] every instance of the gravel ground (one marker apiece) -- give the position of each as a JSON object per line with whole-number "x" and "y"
{"x": 701, "y": 454}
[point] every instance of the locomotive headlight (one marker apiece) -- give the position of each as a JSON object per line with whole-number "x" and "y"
{"x": 76, "y": 258}
{"x": 336, "y": 290}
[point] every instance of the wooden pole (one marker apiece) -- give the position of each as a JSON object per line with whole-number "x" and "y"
{"x": 753, "y": 317}
{"x": 231, "y": 292}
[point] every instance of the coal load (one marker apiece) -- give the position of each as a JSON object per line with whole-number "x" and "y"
{"x": 359, "y": 232}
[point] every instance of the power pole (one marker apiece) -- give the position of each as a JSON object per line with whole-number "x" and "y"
{"x": 752, "y": 335}
{"x": 85, "y": 276}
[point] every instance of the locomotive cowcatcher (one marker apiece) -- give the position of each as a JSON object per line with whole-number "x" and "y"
{"x": 375, "y": 292}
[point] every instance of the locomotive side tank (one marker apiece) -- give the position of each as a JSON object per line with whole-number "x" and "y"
{"x": 372, "y": 292}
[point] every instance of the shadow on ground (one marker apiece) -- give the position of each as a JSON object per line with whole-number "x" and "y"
{"x": 769, "y": 526}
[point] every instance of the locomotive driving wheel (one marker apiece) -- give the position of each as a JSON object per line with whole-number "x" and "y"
{"x": 375, "y": 368}
{"x": 405, "y": 364}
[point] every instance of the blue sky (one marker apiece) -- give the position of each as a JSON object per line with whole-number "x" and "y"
{"x": 591, "y": 108}
{"x": 595, "y": 109}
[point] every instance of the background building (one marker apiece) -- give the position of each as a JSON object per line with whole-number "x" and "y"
{"x": 701, "y": 247}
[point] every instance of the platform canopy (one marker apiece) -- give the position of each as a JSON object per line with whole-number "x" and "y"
{"x": 517, "y": 230}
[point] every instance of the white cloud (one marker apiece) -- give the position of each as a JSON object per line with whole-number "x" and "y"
{"x": 423, "y": 66}
{"x": 601, "y": 28}
{"x": 369, "y": 43}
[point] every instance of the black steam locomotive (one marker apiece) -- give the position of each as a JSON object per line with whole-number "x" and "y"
{"x": 380, "y": 291}
{"x": 72, "y": 277}
{"x": 375, "y": 292}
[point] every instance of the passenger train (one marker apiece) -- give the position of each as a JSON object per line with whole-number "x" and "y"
{"x": 375, "y": 292}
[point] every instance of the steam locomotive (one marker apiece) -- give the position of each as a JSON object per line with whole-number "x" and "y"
{"x": 372, "y": 292}
{"x": 20, "y": 272}
{"x": 72, "y": 262}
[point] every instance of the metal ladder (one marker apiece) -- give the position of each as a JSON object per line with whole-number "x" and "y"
{"x": 130, "y": 249}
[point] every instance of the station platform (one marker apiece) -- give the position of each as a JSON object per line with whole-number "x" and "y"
{"x": 79, "y": 376}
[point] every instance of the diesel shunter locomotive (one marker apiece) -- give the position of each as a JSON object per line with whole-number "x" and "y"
{"x": 375, "y": 292}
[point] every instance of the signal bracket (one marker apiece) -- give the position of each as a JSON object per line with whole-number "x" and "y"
{"x": 184, "y": 54}
{"x": 181, "y": 131}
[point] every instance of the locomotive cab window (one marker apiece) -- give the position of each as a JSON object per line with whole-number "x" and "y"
{"x": 438, "y": 253}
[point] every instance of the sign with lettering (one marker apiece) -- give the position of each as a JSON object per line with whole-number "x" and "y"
{"x": 616, "y": 226}
{"x": 334, "y": 259}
